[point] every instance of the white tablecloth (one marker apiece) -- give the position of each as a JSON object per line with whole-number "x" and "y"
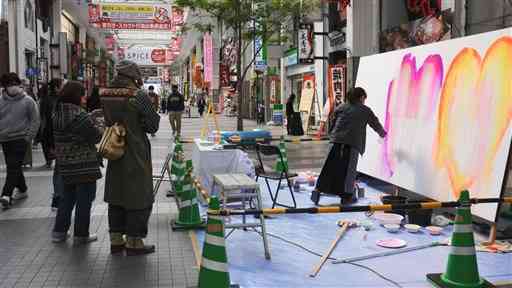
{"x": 208, "y": 162}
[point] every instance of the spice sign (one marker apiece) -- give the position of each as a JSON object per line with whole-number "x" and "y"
{"x": 146, "y": 56}
{"x": 306, "y": 43}
{"x": 337, "y": 83}
{"x": 131, "y": 16}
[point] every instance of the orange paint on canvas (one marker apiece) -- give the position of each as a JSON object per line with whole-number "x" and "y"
{"x": 474, "y": 113}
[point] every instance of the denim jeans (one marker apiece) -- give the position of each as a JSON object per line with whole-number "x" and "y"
{"x": 14, "y": 152}
{"x": 80, "y": 195}
{"x": 58, "y": 184}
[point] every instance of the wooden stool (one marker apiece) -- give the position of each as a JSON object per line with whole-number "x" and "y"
{"x": 231, "y": 186}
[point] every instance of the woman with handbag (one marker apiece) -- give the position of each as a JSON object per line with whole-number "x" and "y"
{"x": 77, "y": 161}
{"x": 130, "y": 116}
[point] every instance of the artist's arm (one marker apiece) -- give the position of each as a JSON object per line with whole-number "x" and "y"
{"x": 373, "y": 121}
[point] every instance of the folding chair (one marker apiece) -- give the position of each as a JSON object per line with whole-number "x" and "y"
{"x": 271, "y": 150}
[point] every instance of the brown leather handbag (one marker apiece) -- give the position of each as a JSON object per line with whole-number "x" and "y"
{"x": 113, "y": 142}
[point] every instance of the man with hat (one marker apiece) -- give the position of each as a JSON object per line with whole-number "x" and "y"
{"x": 129, "y": 180}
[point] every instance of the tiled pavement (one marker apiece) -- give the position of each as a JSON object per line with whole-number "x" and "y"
{"x": 28, "y": 258}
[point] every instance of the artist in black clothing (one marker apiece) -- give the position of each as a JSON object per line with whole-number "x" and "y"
{"x": 175, "y": 107}
{"x": 348, "y": 139}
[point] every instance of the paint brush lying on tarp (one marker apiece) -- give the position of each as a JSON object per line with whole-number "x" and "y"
{"x": 394, "y": 252}
{"x": 344, "y": 224}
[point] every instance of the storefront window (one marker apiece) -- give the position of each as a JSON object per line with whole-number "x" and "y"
{"x": 29, "y": 16}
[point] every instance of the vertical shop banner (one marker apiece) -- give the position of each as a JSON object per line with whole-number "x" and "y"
{"x": 208, "y": 57}
{"x": 130, "y": 16}
{"x": 337, "y": 81}
{"x": 306, "y": 49}
{"x": 260, "y": 59}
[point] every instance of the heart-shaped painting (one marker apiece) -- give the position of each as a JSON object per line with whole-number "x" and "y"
{"x": 412, "y": 98}
{"x": 475, "y": 110}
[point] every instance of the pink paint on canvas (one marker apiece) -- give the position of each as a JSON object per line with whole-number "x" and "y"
{"x": 413, "y": 94}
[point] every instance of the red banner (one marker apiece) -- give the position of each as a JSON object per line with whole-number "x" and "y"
{"x": 131, "y": 16}
{"x": 140, "y": 26}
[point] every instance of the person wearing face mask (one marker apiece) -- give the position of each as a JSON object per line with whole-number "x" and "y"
{"x": 19, "y": 123}
{"x": 130, "y": 202}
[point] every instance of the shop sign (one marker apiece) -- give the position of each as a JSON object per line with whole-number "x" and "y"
{"x": 208, "y": 57}
{"x": 131, "y": 16}
{"x": 337, "y": 83}
{"x": 178, "y": 17}
{"x": 146, "y": 56}
{"x": 31, "y": 72}
{"x": 291, "y": 58}
{"x": 306, "y": 51}
{"x": 171, "y": 56}
{"x": 224, "y": 75}
{"x": 260, "y": 61}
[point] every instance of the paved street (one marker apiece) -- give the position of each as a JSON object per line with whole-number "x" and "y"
{"x": 28, "y": 258}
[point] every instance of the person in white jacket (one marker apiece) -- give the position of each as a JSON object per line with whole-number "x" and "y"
{"x": 19, "y": 123}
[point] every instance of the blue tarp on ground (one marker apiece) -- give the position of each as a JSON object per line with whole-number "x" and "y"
{"x": 290, "y": 266}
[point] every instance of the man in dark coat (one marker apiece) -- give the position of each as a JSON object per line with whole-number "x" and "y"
{"x": 130, "y": 201}
{"x": 175, "y": 106}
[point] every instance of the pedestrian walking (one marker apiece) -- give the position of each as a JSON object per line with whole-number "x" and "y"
{"x": 201, "y": 104}
{"x": 78, "y": 164}
{"x": 163, "y": 105}
{"x": 19, "y": 123}
{"x": 47, "y": 100}
{"x": 348, "y": 139}
{"x": 130, "y": 202}
{"x": 155, "y": 100}
{"x": 49, "y": 140}
{"x": 293, "y": 119}
{"x": 175, "y": 106}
